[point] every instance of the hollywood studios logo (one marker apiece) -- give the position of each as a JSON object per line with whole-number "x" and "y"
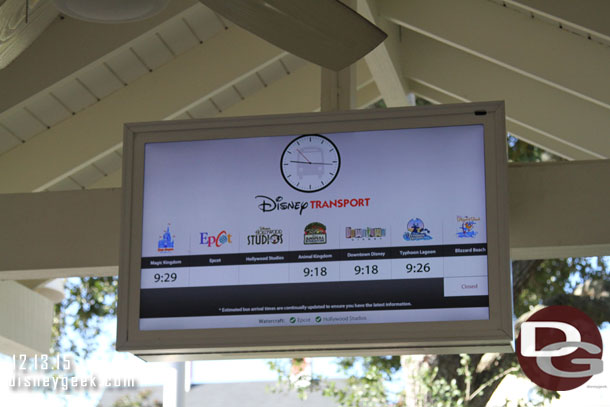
{"x": 265, "y": 236}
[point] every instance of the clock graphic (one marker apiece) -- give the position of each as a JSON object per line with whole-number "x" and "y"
{"x": 310, "y": 163}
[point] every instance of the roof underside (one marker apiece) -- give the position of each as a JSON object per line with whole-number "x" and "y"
{"x": 65, "y": 97}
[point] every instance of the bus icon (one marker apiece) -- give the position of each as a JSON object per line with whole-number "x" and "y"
{"x": 315, "y": 165}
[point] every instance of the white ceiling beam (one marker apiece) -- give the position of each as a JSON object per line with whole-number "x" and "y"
{"x": 278, "y": 98}
{"x": 554, "y": 114}
{"x": 512, "y": 40}
{"x": 113, "y": 180}
{"x": 367, "y": 95}
{"x": 550, "y": 193}
{"x": 87, "y": 221}
{"x": 198, "y": 73}
{"x": 338, "y": 89}
{"x": 69, "y": 45}
{"x": 384, "y": 61}
{"x": 26, "y": 319}
{"x": 513, "y": 126}
{"x": 589, "y": 16}
{"x": 540, "y": 195}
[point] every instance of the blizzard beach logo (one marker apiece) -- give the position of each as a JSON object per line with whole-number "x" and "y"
{"x": 467, "y": 226}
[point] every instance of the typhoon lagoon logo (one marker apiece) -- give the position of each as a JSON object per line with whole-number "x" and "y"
{"x": 166, "y": 242}
{"x": 315, "y": 233}
{"x": 416, "y": 231}
{"x": 265, "y": 236}
{"x": 218, "y": 240}
{"x": 364, "y": 233}
{"x": 467, "y": 226}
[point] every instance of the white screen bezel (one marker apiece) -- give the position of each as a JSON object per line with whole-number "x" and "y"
{"x": 410, "y": 337}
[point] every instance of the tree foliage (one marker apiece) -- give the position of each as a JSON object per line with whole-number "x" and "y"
{"x": 79, "y": 317}
{"x": 142, "y": 399}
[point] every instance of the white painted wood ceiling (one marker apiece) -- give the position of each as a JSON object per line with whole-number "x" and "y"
{"x": 144, "y": 55}
{"x": 432, "y": 73}
{"x": 90, "y": 85}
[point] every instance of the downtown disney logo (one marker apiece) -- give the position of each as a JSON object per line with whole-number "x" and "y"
{"x": 268, "y": 204}
{"x": 560, "y": 348}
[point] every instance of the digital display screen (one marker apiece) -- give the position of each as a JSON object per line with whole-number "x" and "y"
{"x": 383, "y": 226}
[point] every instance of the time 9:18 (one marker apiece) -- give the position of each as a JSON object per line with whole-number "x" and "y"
{"x": 368, "y": 269}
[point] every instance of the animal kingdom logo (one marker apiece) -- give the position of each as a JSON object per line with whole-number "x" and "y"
{"x": 315, "y": 233}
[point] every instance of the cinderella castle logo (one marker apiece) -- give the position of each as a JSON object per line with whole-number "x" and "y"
{"x": 166, "y": 242}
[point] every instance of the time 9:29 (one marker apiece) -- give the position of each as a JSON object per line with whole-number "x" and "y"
{"x": 165, "y": 277}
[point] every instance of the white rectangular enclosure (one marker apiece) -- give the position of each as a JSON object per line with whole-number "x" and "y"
{"x": 360, "y": 232}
